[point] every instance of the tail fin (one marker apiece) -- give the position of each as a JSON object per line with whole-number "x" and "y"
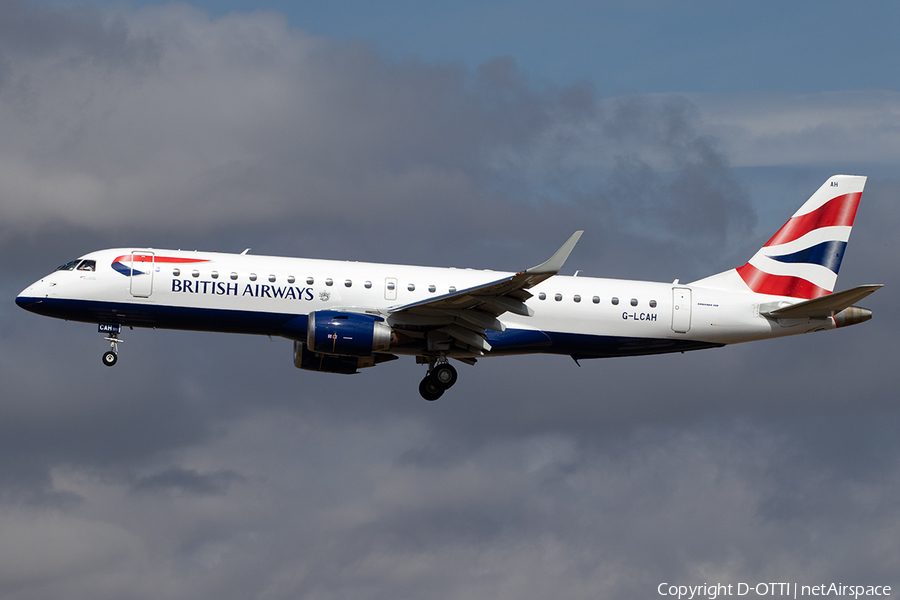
{"x": 802, "y": 260}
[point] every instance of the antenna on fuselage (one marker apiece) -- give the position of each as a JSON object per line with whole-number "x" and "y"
{"x": 244, "y": 253}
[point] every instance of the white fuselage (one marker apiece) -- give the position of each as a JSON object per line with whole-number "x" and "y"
{"x": 580, "y": 316}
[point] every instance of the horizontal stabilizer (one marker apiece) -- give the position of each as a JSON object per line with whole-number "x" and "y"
{"x": 819, "y": 308}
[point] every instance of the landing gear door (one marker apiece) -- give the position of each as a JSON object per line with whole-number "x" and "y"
{"x": 681, "y": 310}
{"x": 142, "y": 264}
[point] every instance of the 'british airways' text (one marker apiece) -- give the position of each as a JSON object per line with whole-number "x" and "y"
{"x": 257, "y": 290}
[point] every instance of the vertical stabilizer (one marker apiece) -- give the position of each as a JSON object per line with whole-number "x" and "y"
{"x": 802, "y": 260}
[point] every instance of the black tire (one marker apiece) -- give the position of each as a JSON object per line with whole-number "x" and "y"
{"x": 429, "y": 390}
{"x": 444, "y": 376}
{"x": 110, "y": 358}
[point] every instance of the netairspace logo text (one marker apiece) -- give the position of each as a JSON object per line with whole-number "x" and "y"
{"x": 790, "y": 590}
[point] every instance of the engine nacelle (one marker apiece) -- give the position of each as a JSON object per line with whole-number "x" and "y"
{"x": 339, "y": 333}
{"x": 306, "y": 359}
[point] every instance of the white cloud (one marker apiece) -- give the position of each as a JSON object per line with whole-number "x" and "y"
{"x": 776, "y": 129}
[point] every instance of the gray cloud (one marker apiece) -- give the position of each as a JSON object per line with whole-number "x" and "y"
{"x": 207, "y": 466}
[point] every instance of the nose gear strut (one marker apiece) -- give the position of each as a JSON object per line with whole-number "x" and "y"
{"x": 111, "y": 356}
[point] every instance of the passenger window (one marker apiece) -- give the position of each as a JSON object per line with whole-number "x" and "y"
{"x": 233, "y": 275}
{"x": 542, "y": 296}
{"x": 634, "y": 302}
{"x": 348, "y": 283}
{"x": 329, "y": 281}
{"x": 291, "y": 279}
{"x": 368, "y": 285}
{"x": 252, "y": 276}
{"x": 176, "y": 272}
{"x": 309, "y": 281}
{"x": 576, "y": 298}
{"x": 596, "y": 299}
{"x": 271, "y": 279}
{"x": 615, "y": 301}
{"x": 195, "y": 273}
{"x": 432, "y": 289}
{"x": 452, "y": 289}
{"x": 390, "y": 285}
{"x": 214, "y": 274}
{"x": 558, "y": 297}
{"x": 411, "y": 287}
{"x": 653, "y": 304}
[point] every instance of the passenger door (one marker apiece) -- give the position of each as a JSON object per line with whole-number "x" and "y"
{"x": 142, "y": 264}
{"x": 681, "y": 310}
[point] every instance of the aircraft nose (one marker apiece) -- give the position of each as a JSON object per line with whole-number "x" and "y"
{"x": 29, "y": 298}
{"x": 26, "y": 302}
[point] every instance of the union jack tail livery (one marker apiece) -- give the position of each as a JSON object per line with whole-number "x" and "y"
{"x": 802, "y": 260}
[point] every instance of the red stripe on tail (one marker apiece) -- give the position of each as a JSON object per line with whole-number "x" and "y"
{"x": 779, "y": 285}
{"x": 839, "y": 211}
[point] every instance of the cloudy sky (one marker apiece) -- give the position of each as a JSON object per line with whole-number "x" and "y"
{"x": 679, "y": 136}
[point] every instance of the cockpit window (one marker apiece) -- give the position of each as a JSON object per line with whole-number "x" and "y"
{"x": 69, "y": 266}
{"x": 87, "y": 265}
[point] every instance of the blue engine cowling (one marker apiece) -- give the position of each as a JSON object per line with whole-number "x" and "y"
{"x": 339, "y": 333}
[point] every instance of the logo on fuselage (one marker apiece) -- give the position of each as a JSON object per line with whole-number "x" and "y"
{"x": 140, "y": 264}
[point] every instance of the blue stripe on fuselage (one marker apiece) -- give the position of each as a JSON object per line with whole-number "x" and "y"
{"x": 293, "y": 326}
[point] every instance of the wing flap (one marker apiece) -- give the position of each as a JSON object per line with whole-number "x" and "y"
{"x": 466, "y": 336}
{"x": 478, "y": 319}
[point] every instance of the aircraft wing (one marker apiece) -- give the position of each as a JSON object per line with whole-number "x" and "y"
{"x": 464, "y": 315}
{"x": 824, "y": 306}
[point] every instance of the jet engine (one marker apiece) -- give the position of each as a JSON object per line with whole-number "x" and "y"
{"x": 306, "y": 359}
{"x": 342, "y": 342}
{"x": 339, "y": 333}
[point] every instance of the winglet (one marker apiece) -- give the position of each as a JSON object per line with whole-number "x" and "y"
{"x": 556, "y": 262}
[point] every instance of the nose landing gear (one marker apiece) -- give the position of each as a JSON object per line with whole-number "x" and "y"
{"x": 111, "y": 356}
{"x": 440, "y": 377}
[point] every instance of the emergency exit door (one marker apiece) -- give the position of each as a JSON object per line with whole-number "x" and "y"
{"x": 390, "y": 288}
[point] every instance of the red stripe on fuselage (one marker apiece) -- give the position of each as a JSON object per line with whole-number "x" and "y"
{"x": 159, "y": 259}
{"x": 779, "y": 285}
{"x": 839, "y": 211}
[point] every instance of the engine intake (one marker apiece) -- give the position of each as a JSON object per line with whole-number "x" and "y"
{"x": 338, "y": 333}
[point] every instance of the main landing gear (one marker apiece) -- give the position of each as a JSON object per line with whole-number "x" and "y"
{"x": 440, "y": 377}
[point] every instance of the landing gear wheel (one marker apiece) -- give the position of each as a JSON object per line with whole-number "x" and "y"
{"x": 429, "y": 389}
{"x": 444, "y": 376}
{"x": 110, "y": 358}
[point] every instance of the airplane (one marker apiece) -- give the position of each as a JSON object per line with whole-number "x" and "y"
{"x": 345, "y": 316}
